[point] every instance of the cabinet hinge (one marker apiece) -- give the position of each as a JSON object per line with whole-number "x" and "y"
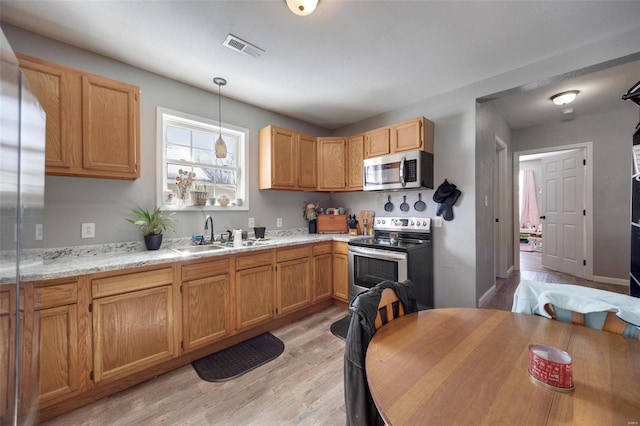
{"x": 180, "y": 289}
{"x": 90, "y": 307}
{"x": 91, "y": 376}
{"x": 584, "y": 262}
{"x": 181, "y": 344}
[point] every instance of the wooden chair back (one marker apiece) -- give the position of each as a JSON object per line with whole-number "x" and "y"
{"x": 605, "y": 321}
{"x": 389, "y": 308}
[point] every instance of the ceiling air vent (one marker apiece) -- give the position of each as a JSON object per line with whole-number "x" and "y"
{"x": 239, "y": 45}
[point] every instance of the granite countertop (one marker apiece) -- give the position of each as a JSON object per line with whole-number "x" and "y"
{"x": 70, "y": 261}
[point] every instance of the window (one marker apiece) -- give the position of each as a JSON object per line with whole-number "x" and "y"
{"x": 187, "y": 151}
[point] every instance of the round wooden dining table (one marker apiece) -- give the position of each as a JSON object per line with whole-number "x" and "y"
{"x": 463, "y": 366}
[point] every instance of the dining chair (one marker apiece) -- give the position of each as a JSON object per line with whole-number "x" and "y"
{"x": 370, "y": 311}
{"x": 603, "y": 320}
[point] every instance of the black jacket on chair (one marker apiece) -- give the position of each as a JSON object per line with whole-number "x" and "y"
{"x": 360, "y": 408}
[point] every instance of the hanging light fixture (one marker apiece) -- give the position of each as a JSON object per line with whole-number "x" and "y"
{"x": 564, "y": 97}
{"x": 220, "y": 146}
{"x": 302, "y": 7}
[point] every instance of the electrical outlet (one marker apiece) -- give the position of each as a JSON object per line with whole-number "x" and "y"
{"x": 88, "y": 230}
{"x": 279, "y": 222}
{"x": 437, "y": 222}
{"x": 252, "y": 222}
{"x": 38, "y": 232}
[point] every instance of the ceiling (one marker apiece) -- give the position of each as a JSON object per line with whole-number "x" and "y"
{"x": 347, "y": 61}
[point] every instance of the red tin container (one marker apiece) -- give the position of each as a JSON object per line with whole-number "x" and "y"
{"x": 551, "y": 366}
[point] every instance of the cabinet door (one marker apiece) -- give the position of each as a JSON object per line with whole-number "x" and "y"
{"x": 132, "y": 331}
{"x": 307, "y": 164}
{"x": 58, "y": 90}
{"x": 377, "y": 142}
{"x": 332, "y": 170}
{"x": 6, "y": 352}
{"x": 322, "y": 277}
{"x": 56, "y": 351}
{"x": 110, "y": 128}
{"x": 293, "y": 282}
{"x": 284, "y": 158}
{"x": 340, "y": 271}
{"x": 205, "y": 311}
{"x": 254, "y": 296}
{"x": 355, "y": 148}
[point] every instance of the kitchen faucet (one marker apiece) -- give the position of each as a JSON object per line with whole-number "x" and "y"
{"x": 206, "y": 227}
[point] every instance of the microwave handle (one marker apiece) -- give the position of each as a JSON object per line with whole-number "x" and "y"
{"x": 402, "y": 180}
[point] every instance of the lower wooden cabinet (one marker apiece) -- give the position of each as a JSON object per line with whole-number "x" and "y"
{"x": 340, "y": 271}
{"x": 6, "y": 350}
{"x": 135, "y": 329}
{"x": 293, "y": 279}
{"x": 322, "y": 271}
{"x": 254, "y": 289}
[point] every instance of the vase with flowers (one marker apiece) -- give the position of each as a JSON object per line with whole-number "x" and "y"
{"x": 310, "y": 213}
{"x": 184, "y": 180}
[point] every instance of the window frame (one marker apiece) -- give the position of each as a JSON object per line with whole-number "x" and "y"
{"x": 161, "y": 164}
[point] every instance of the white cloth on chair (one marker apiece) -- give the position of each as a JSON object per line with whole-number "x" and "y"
{"x": 531, "y": 296}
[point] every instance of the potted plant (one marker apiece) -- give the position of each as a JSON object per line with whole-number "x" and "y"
{"x": 310, "y": 213}
{"x": 152, "y": 224}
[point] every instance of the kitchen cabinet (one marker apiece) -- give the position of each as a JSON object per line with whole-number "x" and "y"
{"x": 332, "y": 164}
{"x": 206, "y": 304}
{"x": 415, "y": 134}
{"x": 355, "y": 154}
{"x": 93, "y": 123}
{"x": 322, "y": 271}
{"x": 7, "y": 300}
{"x": 287, "y": 159}
{"x": 377, "y": 142}
{"x": 340, "y": 271}
{"x": 254, "y": 289}
{"x": 133, "y": 321}
{"x": 293, "y": 278}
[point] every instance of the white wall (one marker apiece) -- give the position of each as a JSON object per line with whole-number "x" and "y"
{"x": 458, "y": 274}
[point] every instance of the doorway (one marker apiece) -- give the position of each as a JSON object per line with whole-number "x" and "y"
{"x": 580, "y": 241}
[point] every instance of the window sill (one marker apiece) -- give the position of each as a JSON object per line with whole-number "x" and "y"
{"x": 176, "y": 208}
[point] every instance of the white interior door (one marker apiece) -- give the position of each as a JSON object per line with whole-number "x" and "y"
{"x": 563, "y": 207}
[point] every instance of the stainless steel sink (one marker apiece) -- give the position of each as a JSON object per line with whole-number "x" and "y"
{"x": 198, "y": 249}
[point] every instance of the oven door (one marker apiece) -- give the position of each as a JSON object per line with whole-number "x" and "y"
{"x": 369, "y": 266}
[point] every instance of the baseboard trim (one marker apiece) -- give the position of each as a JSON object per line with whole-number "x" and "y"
{"x": 487, "y": 296}
{"x": 609, "y": 280}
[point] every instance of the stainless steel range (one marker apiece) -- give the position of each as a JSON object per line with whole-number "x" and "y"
{"x": 400, "y": 249}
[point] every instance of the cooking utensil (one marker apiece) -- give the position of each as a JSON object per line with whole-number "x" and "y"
{"x": 388, "y": 207}
{"x": 404, "y": 206}
{"x": 420, "y": 206}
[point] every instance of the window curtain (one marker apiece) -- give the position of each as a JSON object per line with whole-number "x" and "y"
{"x": 529, "y": 207}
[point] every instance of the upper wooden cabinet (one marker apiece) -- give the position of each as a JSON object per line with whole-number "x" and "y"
{"x": 355, "y": 153}
{"x": 416, "y": 134}
{"x": 332, "y": 164}
{"x": 93, "y": 123}
{"x": 287, "y": 159}
{"x": 377, "y": 142}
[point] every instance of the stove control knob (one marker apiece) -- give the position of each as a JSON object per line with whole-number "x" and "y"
{"x": 411, "y": 223}
{"x": 424, "y": 223}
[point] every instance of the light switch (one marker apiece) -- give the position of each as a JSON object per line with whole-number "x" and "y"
{"x": 38, "y": 232}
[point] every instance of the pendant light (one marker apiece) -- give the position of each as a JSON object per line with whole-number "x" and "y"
{"x": 220, "y": 146}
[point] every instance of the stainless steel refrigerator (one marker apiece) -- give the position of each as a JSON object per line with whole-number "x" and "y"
{"x": 22, "y": 145}
{"x": 634, "y": 276}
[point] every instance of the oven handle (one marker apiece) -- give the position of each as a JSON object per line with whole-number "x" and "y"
{"x": 377, "y": 254}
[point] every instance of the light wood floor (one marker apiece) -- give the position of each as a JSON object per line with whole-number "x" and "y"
{"x": 304, "y": 386}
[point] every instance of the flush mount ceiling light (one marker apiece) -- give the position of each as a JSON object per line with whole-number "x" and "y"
{"x": 564, "y": 97}
{"x": 302, "y": 7}
{"x": 220, "y": 147}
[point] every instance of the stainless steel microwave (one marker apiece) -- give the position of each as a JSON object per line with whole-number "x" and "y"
{"x": 405, "y": 170}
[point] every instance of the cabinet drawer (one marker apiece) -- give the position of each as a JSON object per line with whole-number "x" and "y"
{"x": 322, "y": 248}
{"x": 340, "y": 247}
{"x": 116, "y": 284}
{"x": 209, "y": 268}
{"x": 249, "y": 261}
{"x": 283, "y": 255}
{"x": 58, "y": 293}
{"x": 4, "y": 302}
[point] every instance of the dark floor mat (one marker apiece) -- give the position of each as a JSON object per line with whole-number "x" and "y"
{"x": 239, "y": 359}
{"x": 340, "y": 327}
